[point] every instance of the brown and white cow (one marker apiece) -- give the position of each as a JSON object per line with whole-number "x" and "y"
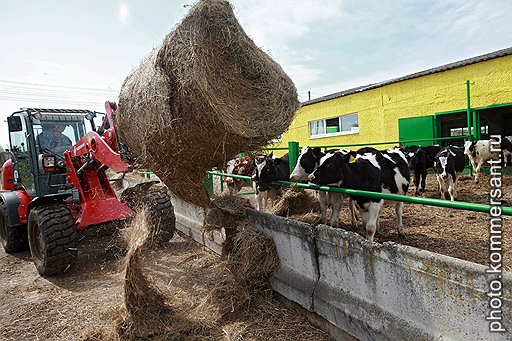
{"x": 239, "y": 166}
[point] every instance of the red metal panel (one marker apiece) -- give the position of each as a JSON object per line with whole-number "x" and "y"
{"x": 24, "y": 202}
{"x": 101, "y": 211}
{"x": 7, "y": 176}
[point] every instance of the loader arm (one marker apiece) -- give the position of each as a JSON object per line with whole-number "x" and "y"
{"x": 87, "y": 162}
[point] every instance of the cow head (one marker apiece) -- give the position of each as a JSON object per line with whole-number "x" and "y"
{"x": 442, "y": 163}
{"x": 330, "y": 170}
{"x": 259, "y": 162}
{"x": 268, "y": 172}
{"x": 469, "y": 148}
{"x": 243, "y": 166}
{"x": 306, "y": 163}
{"x": 418, "y": 158}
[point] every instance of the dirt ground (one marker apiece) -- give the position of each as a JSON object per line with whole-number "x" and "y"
{"x": 85, "y": 299}
{"x": 456, "y": 233}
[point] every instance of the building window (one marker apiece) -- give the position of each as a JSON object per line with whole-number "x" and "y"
{"x": 347, "y": 124}
{"x": 484, "y": 130}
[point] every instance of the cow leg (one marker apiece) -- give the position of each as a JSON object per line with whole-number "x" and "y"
{"x": 452, "y": 187}
{"x": 399, "y": 208}
{"x": 373, "y": 215}
{"x": 272, "y": 196}
{"x": 322, "y": 199}
{"x": 417, "y": 182}
{"x": 477, "y": 170}
{"x": 261, "y": 199}
{"x": 336, "y": 201}
{"x": 352, "y": 209}
{"x": 506, "y": 155}
{"x": 441, "y": 186}
{"x": 423, "y": 182}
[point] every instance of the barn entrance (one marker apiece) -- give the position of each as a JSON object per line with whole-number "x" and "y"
{"x": 487, "y": 121}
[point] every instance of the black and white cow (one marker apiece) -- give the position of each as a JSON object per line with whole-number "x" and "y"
{"x": 360, "y": 173}
{"x": 395, "y": 174}
{"x": 267, "y": 170}
{"x": 448, "y": 164}
{"x": 394, "y": 166}
{"x": 308, "y": 160}
{"x": 420, "y": 161}
{"x": 361, "y": 170}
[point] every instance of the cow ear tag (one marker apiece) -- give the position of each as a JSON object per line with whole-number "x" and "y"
{"x": 352, "y": 159}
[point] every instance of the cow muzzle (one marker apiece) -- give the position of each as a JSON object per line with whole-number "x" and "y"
{"x": 311, "y": 177}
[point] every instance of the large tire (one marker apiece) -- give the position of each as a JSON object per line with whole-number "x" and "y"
{"x": 14, "y": 238}
{"x": 52, "y": 238}
{"x": 158, "y": 204}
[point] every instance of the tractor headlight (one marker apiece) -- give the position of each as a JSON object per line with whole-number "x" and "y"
{"x": 48, "y": 163}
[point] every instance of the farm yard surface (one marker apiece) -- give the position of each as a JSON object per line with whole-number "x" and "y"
{"x": 86, "y": 300}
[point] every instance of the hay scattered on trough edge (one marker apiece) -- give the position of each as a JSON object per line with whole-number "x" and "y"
{"x": 207, "y": 93}
{"x": 295, "y": 201}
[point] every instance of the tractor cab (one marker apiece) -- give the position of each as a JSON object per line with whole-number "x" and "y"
{"x": 55, "y": 184}
{"x": 38, "y": 139}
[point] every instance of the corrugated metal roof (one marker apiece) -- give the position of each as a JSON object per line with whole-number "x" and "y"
{"x": 469, "y": 61}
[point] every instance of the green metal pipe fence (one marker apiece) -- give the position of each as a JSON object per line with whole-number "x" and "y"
{"x": 460, "y": 205}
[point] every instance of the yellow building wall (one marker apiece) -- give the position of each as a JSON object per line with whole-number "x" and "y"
{"x": 379, "y": 109}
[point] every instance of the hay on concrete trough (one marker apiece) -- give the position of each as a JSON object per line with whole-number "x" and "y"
{"x": 312, "y": 218}
{"x": 296, "y": 201}
{"x": 207, "y": 93}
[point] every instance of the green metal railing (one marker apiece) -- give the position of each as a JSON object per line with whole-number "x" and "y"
{"x": 460, "y": 205}
{"x": 294, "y": 151}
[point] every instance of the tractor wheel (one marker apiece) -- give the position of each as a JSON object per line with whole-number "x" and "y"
{"x": 158, "y": 204}
{"x": 52, "y": 238}
{"x": 14, "y": 238}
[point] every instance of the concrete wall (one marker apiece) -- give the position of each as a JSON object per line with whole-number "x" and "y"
{"x": 189, "y": 221}
{"x": 374, "y": 291}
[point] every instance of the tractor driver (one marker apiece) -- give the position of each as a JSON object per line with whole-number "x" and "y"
{"x": 53, "y": 139}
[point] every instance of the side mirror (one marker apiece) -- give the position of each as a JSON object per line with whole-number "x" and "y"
{"x": 14, "y": 123}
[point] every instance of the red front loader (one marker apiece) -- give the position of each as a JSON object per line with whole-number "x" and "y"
{"x": 55, "y": 184}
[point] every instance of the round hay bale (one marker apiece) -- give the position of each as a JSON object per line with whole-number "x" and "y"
{"x": 207, "y": 93}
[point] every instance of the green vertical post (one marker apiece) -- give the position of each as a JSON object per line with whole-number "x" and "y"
{"x": 468, "y": 99}
{"x": 208, "y": 183}
{"x": 477, "y": 132}
{"x": 293, "y": 154}
{"x": 468, "y": 113}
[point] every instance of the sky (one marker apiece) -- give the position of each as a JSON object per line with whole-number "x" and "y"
{"x": 76, "y": 54}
